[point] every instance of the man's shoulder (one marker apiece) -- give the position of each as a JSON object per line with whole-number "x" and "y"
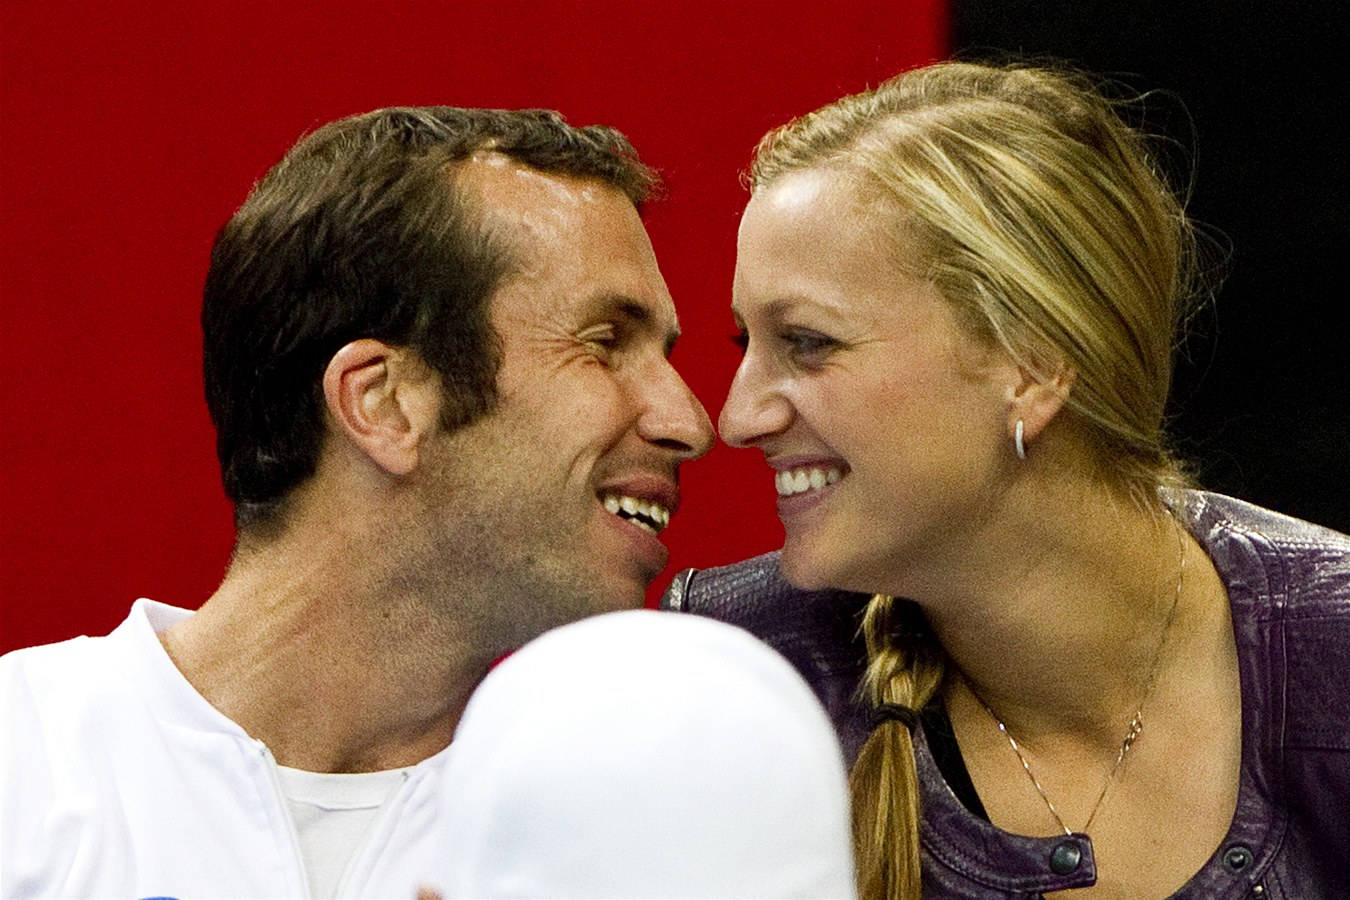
{"x": 62, "y": 702}
{"x": 59, "y": 702}
{"x": 104, "y": 773}
{"x": 47, "y": 679}
{"x": 53, "y": 699}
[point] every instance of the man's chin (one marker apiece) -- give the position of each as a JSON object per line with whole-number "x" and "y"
{"x": 624, "y": 593}
{"x": 602, "y": 593}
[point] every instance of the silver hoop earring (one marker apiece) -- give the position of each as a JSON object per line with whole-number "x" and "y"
{"x": 1020, "y": 447}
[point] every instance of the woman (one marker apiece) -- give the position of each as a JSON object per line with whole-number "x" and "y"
{"x": 957, "y": 295}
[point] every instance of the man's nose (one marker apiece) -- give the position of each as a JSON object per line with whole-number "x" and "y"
{"x": 673, "y": 417}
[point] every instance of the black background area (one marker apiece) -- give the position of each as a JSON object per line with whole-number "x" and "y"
{"x": 1259, "y": 401}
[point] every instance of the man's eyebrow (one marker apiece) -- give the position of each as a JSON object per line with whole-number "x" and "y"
{"x": 639, "y": 314}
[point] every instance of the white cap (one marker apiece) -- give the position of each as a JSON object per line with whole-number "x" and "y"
{"x": 644, "y": 754}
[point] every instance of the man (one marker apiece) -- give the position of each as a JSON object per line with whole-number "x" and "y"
{"x": 436, "y": 351}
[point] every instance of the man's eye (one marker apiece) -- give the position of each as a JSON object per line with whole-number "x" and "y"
{"x": 601, "y": 340}
{"x": 741, "y": 339}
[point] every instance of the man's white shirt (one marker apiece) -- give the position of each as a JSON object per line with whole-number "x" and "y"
{"x": 118, "y": 779}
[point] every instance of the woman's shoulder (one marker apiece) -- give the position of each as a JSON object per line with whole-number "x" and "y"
{"x": 1288, "y": 584}
{"x": 1305, "y": 564}
{"x": 1220, "y": 510}
{"x": 816, "y": 631}
{"x": 754, "y": 594}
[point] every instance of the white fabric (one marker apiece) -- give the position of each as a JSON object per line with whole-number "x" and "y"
{"x": 332, "y": 814}
{"x": 643, "y": 754}
{"x": 117, "y": 779}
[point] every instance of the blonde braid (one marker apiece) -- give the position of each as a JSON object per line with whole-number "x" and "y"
{"x": 905, "y": 667}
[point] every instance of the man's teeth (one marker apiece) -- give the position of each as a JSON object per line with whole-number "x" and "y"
{"x": 799, "y": 481}
{"x": 652, "y": 516}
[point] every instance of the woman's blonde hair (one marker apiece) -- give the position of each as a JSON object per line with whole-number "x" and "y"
{"x": 1045, "y": 221}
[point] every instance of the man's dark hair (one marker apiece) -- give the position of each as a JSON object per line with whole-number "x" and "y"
{"x": 361, "y": 232}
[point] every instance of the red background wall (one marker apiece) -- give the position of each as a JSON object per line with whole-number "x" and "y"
{"x": 130, "y": 131}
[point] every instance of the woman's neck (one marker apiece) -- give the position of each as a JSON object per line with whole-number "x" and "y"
{"x": 1063, "y": 652}
{"x": 1061, "y": 619}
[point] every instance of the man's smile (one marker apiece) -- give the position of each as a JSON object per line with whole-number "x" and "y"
{"x": 646, "y": 514}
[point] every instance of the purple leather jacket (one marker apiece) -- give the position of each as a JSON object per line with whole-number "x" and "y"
{"x": 1289, "y": 585}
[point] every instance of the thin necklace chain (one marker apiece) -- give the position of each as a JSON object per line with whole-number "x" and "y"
{"x": 1136, "y": 725}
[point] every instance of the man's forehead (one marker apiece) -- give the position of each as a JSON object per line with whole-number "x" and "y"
{"x": 593, "y": 223}
{"x": 523, "y": 195}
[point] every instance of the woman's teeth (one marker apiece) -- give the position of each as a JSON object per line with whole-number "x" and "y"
{"x": 799, "y": 481}
{"x": 652, "y": 516}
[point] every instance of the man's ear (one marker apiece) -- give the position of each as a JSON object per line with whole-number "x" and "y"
{"x": 385, "y": 399}
{"x": 1035, "y": 401}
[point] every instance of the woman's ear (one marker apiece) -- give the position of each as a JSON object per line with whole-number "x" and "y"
{"x": 1034, "y": 402}
{"x": 385, "y": 400}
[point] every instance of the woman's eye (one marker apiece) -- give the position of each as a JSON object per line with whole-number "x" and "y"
{"x": 803, "y": 345}
{"x": 808, "y": 344}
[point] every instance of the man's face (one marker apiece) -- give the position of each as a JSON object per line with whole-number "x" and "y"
{"x": 559, "y": 494}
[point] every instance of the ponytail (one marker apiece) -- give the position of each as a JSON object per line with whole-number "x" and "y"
{"x": 905, "y": 668}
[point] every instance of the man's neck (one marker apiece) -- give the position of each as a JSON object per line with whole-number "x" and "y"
{"x": 331, "y": 672}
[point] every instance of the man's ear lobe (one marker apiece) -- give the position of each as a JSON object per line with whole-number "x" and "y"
{"x": 1035, "y": 402}
{"x": 384, "y": 399}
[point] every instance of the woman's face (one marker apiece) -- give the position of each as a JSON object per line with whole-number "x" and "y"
{"x": 885, "y": 424}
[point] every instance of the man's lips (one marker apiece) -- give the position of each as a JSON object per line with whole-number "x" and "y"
{"x": 646, "y": 501}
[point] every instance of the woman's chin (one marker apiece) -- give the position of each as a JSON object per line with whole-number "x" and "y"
{"x": 809, "y": 571}
{"x": 805, "y": 567}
